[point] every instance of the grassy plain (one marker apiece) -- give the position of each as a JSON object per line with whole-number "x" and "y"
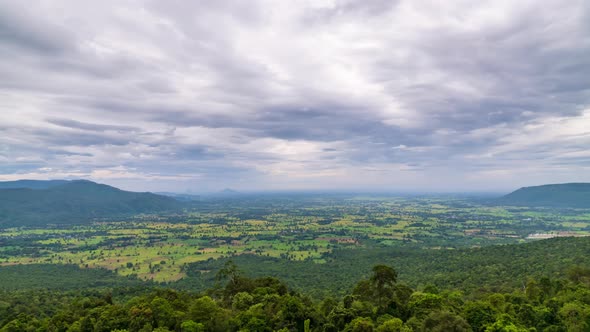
{"x": 160, "y": 248}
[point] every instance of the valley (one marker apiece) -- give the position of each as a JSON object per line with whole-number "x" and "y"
{"x": 309, "y": 229}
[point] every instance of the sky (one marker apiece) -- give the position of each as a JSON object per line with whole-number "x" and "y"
{"x": 368, "y": 95}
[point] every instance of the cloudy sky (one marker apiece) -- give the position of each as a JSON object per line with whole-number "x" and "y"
{"x": 280, "y": 95}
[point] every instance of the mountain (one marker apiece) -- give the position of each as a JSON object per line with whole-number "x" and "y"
{"x": 226, "y": 193}
{"x": 76, "y": 201}
{"x": 573, "y": 195}
{"x": 180, "y": 196}
{"x": 31, "y": 184}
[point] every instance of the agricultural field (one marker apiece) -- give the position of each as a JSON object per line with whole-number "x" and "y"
{"x": 308, "y": 228}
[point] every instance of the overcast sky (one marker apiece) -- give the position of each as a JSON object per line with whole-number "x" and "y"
{"x": 281, "y": 95}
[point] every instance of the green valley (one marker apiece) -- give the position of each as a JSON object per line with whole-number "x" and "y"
{"x": 308, "y": 228}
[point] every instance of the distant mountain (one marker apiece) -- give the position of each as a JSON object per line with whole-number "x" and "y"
{"x": 76, "y": 201}
{"x": 31, "y": 184}
{"x": 181, "y": 197}
{"x": 227, "y": 192}
{"x": 574, "y": 195}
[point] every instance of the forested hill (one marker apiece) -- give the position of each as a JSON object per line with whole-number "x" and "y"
{"x": 32, "y": 184}
{"x": 573, "y": 195}
{"x": 76, "y": 201}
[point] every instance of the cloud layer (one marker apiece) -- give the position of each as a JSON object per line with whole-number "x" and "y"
{"x": 256, "y": 95}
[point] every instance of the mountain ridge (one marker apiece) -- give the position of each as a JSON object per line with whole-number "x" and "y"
{"x": 76, "y": 201}
{"x": 31, "y": 184}
{"x": 566, "y": 195}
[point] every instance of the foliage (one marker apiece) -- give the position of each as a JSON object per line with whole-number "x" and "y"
{"x": 266, "y": 304}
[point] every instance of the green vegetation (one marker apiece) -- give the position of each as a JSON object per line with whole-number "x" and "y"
{"x": 310, "y": 229}
{"x": 492, "y": 268}
{"x": 381, "y": 302}
{"x": 573, "y": 195}
{"x": 459, "y": 264}
{"x": 314, "y": 230}
{"x": 61, "y": 277}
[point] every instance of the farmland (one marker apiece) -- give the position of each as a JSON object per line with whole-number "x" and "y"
{"x": 305, "y": 229}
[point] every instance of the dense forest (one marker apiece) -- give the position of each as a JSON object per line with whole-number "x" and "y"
{"x": 492, "y": 268}
{"x": 540, "y": 286}
{"x": 380, "y": 302}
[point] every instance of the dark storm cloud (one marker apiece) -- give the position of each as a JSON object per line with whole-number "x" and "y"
{"x": 295, "y": 94}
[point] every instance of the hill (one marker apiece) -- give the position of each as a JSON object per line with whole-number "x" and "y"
{"x": 31, "y": 184}
{"x": 180, "y": 196}
{"x": 573, "y": 195}
{"x": 75, "y": 202}
{"x": 225, "y": 193}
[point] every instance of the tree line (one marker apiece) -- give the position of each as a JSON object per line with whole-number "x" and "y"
{"x": 380, "y": 302}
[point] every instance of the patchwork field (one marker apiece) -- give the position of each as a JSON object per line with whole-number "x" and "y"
{"x": 159, "y": 248}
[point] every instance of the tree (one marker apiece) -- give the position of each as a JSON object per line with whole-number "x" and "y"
{"x": 444, "y": 321}
{"x": 191, "y": 326}
{"x": 575, "y": 316}
{"x": 242, "y": 301}
{"x": 391, "y": 325}
{"x": 384, "y": 278}
{"x": 163, "y": 313}
{"x": 360, "y": 324}
{"x": 380, "y": 286}
{"x": 204, "y": 310}
{"x": 421, "y": 304}
{"x": 479, "y": 314}
{"x": 229, "y": 271}
{"x": 504, "y": 324}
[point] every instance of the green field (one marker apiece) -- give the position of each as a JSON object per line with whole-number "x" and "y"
{"x": 160, "y": 248}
